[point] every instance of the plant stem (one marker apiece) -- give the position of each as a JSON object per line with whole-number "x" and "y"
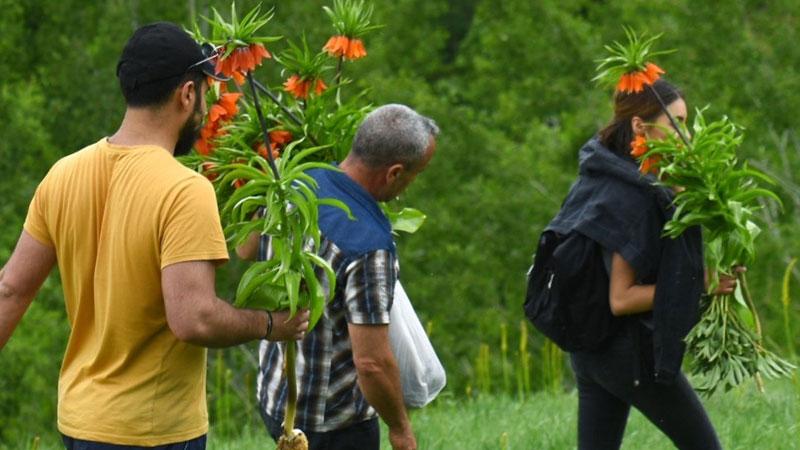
{"x": 751, "y": 305}
{"x": 291, "y": 380}
{"x": 283, "y": 107}
{"x": 672, "y": 120}
{"x": 291, "y": 346}
{"x": 749, "y": 300}
{"x": 263, "y": 122}
{"x": 338, "y": 81}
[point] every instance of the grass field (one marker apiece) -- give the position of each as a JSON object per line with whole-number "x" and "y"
{"x": 744, "y": 419}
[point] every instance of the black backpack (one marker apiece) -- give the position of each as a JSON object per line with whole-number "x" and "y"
{"x": 567, "y": 296}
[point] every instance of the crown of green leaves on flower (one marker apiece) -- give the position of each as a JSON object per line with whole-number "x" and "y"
{"x": 302, "y": 62}
{"x": 629, "y": 66}
{"x": 351, "y": 18}
{"x": 236, "y": 33}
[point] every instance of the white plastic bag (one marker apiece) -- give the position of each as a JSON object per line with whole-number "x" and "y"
{"x": 421, "y": 373}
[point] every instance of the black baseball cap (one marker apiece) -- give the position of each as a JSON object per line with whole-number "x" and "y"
{"x": 163, "y": 50}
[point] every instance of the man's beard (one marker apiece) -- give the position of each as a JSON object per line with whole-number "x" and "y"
{"x": 189, "y": 133}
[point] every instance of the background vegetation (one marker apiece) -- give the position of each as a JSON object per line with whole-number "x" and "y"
{"x": 508, "y": 82}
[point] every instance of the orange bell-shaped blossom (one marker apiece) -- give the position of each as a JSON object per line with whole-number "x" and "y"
{"x": 300, "y": 88}
{"x": 280, "y": 137}
{"x": 638, "y": 149}
{"x": 224, "y": 110}
{"x": 638, "y": 146}
{"x": 277, "y": 139}
{"x": 653, "y": 72}
{"x": 262, "y": 150}
{"x": 650, "y": 165}
{"x": 228, "y": 101}
{"x": 203, "y": 147}
{"x": 356, "y": 50}
{"x": 342, "y": 46}
{"x": 241, "y": 61}
{"x": 636, "y": 81}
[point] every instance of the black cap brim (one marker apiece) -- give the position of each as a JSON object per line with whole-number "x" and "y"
{"x": 209, "y": 69}
{"x": 207, "y": 66}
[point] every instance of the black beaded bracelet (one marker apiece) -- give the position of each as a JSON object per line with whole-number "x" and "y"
{"x": 269, "y": 325}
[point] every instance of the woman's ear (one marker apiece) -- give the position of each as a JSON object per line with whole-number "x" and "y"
{"x": 638, "y": 126}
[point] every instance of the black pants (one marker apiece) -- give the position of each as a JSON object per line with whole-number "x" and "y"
{"x": 607, "y": 390}
{"x": 361, "y": 436}
{"x": 77, "y": 444}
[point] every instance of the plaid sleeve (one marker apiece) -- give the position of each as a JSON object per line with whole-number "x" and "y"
{"x": 369, "y": 288}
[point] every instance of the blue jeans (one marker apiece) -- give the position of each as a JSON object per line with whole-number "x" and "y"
{"x": 361, "y": 436}
{"x": 77, "y": 444}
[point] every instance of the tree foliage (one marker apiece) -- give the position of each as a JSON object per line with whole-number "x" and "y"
{"x": 509, "y": 84}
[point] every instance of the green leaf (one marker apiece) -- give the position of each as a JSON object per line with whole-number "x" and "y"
{"x": 292, "y": 285}
{"x": 407, "y": 220}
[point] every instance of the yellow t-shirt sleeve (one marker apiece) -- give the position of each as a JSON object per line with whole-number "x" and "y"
{"x": 191, "y": 225}
{"x": 35, "y": 222}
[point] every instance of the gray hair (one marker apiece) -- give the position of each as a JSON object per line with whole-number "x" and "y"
{"x": 393, "y": 134}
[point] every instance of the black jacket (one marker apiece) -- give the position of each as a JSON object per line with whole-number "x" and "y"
{"x": 625, "y": 212}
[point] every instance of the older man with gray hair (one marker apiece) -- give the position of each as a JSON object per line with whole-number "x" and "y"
{"x": 347, "y": 374}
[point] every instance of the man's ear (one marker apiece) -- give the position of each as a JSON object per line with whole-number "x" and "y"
{"x": 187, "y": 94}
{"x": 393, "y": 172}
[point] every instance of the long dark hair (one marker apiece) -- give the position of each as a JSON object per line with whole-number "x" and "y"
{"x": 618, "y": 134}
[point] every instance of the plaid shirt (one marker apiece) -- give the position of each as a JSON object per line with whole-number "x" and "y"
{"x": 328, "y": 394}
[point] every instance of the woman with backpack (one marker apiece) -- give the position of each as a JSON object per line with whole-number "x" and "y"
{"x": 654, "y": 283}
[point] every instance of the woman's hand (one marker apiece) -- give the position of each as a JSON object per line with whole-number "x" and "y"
{"x": 727, "y": 283}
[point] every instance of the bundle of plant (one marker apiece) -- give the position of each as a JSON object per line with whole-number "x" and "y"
{"x": 715, "y": 191}
{"x": 258, "y": 154}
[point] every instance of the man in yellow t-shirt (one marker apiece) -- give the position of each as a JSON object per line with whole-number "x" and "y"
{"x": 136, "y": 237}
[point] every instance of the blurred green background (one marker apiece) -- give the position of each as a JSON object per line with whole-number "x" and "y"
{"x": 509, "y": 84}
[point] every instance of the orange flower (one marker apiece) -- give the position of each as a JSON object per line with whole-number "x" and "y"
{"x": 262, "y": 150}
{"x": 238, "y": 78}
{"x": 299, "y": 87}
{"x": 650, "y": 165}
{"x": 356, "y": 50}
{"x": 638, "y": 146}
{"x": 342, "y": 46}
{"x": 295, "y": 86}
{"x": 653, "y": 72}
{"x": 259, "y": 52}
{"x": 277, "y": 140}
{"x": 203, "y": 147}
{"x": 226, "y": 108}
{"x": 636, "y": 81}
{"x": 336, "y": 45}
{"x": 208, "y": 170}
{"x": 241, "y": 61}
{"x": 223, "y": 110}
{"x": 228, "y": 101}
{"x": 209, "y": 130}
{"x": 216, "y": 113}
{"x": 638, "y": 149}
{"x": 207, "y": 134}
{"x": 280, "y": 137}
{"x": 320, "y": 86}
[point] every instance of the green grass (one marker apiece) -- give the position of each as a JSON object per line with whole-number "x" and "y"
{"x": 743, "y": 418}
